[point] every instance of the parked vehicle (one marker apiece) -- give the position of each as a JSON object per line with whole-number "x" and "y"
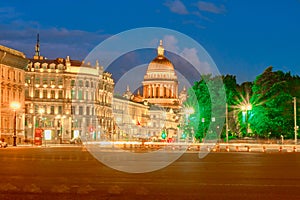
{"x": 3, "y": 144}
{"x": 75, "y": 141}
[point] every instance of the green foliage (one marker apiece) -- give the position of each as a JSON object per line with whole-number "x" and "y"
{"x": 207, "y": 98}
{"x": 272, "y": 100}
{"x": 270, "y": 95}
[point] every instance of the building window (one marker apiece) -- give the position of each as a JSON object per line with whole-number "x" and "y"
{"x": 52, "y": 81}
{"x": 36, "y": 109}
{"x": 87, "y": 95}
{"x": 37, "y": 93}
{"x": 60, "y": 81}
{"x": 72, "y": 82}
{"x": 80, "y": 110}
{"x": 52, "y": 94}
{"x": 44, "y": 94}
{"x": 20, "y": 77}
{"x": 52, "y": 110}
{"x": 73, "y": 110}
{"x": 37, "y": 81}
{"x": 60, "y": 94}
{"x": 59, "y": 109}
{"x": 80, "y": 94}
{"x": 73, "y": 94}
{"x": 80, "y": 83}
{"x": 87, "y": 110}
{"x": 27, "y": 80}
{"x": 45, "y": 81}
{"x": 26, "y": 93}
{"x": 87, "y": 84}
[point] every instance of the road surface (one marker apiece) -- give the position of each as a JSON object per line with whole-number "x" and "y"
{"x": 73, "y": 173}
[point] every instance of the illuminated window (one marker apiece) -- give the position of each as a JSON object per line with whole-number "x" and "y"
{"x": 60, "y": 94}
{"x": 52, "y": 94}
{"x": 37, "y": 81}
{"x": 37, "y": 93}
{"x": 45, "y": 81}
{"x": 60, "y": 81}
{"x": 73, "y": 94}
{"x": 80, "y": 94}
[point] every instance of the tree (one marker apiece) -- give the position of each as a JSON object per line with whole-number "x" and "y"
{"x": 272, "y": 104}
{"x": 207, "y": 98}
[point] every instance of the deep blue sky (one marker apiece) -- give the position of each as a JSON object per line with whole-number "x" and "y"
{"x": 243, "y": 37}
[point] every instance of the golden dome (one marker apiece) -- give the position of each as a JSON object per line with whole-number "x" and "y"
{"x": 160, "y": 62}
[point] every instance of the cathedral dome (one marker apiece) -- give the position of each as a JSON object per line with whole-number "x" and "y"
{"x": 160, "y": 64}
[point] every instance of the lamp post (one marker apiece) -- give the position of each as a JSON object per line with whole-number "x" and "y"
{"x": 188, "y": 111}
{"x": 60, "y": 121}
{"x": 245, "y": 108}
{"x": 15, "y": 106}
{"x": 226, "y": 113}
{"x": 41, "y": 111}
{"x": 295, "y": 118}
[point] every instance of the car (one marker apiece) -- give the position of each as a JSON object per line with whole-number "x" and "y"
{"x": 3, "y": 144}
{"x": 76, "y": 140}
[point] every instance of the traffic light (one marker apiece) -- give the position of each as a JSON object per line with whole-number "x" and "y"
{"x": 163, "y": 134}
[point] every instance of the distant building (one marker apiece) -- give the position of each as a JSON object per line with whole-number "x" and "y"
{"x": 67, "y": 99}
{"x": 13, "y": 64}
{"x": 157, "y": 110}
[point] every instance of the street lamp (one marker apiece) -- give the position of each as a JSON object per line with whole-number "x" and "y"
{"x": 60, "y": 120}
{"x": 295, "y": 118}
{"x": 41, "y": 111}
{"x": 15, "y": 106}
{"x": 189, "y": 111}
{"x": 245, "y": 108}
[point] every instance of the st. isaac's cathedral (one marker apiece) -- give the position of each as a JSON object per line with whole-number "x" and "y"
{"x": 156, "y": 110}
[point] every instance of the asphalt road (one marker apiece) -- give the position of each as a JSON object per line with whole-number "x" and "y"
{"x": 73, "y": 173}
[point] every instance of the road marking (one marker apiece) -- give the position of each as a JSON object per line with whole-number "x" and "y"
{"x": 32, "y": 188}
{"x": 8, "y": 187}
{"x": 85, "y": 189}
{"x": 115, "y": 189}
{"x": 60, "y": 189}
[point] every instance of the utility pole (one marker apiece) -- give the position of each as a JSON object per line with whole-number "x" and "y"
{"x": 295, "y": 118}
{"x": 226, "y": 112}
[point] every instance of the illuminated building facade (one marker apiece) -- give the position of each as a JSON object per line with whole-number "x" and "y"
{"x": 13, "y": 64}
{"x": 157, "y": 109}
{"x": 67, "y": 99}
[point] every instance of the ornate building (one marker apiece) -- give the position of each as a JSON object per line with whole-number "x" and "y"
{"x": 13, "y": 64}
{"x": 160, "y": 85}
{"x": 67, "y": 98}
{"x": 157, "y": 110}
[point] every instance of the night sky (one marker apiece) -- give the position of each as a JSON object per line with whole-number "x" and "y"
{"x": 242, "y": 37}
